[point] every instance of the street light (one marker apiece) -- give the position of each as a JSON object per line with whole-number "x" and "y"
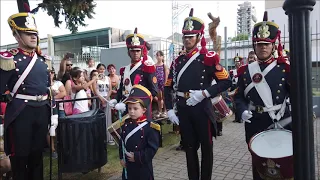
{"x": 298, "y": 12}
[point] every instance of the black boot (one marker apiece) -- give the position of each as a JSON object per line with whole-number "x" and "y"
{"x": 180, "y": 148}
{"x": 192, "y": 163}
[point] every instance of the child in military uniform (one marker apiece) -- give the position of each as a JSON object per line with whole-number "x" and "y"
{"x": 139, "y": 135}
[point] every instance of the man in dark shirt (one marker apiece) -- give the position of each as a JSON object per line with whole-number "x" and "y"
{"x": 65, "y": 68}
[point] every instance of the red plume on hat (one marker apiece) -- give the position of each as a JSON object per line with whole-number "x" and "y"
{"x": 203, "y": 45}
{"x": 279, "y": 48}
{"x": 203, "y": 39}
{"x": 149, "y": 69}
{"x": 23, "y": 6}
{"x": 26, "y": 7}
{"x": 144, "y": 49}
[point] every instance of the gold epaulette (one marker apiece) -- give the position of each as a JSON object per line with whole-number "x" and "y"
{"x": 155, "y": 126}
{"x": 6, "y": 61}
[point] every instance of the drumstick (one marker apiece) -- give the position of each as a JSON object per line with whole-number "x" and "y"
{"x": 109, "y": 100}
{"x": 285, "y": 122}
{"x": 123, "y": 147}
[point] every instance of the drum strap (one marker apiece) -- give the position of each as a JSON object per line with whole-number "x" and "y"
{"x": 264, "y": 89}
{"x": 256, "y": 66}
{"x": 134, "y": 131}
{"x": 127, "y": 74}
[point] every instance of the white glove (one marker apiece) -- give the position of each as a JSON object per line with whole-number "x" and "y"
{"x": 54, "y": 124}
{"x": 120, "y": 107}
{"x": 112, "y": 102}
{"x": 196, "y": 96}
{"x": 246, "y": 115}
{"x": 1, "y": 130}
{"x": 173, "y": 117}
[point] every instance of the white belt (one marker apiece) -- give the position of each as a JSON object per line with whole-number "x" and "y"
{"x": 183, "y": 94}
{"x": 261, "y": 109}
{"x": 32, "y": 98}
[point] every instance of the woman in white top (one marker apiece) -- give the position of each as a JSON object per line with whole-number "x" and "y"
{"x": 59, "y": 92}
{"x": 77, "y": 77}
{"x": 76, "y": 86}
{"x": 102, "y": 89}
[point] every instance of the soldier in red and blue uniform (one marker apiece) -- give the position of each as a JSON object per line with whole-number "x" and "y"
{"x": 28, "y": 108}
{"x": 189, "y": 81}
{"x": 140, "y": 136}
{"x": 263, "y": 85}
{"x": 238, "y": 61}
{"x": 141, "y": 70}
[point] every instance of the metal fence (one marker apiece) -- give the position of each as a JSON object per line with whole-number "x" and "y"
{"x": 230, "y": 49}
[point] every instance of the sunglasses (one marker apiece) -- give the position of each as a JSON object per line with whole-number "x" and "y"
{"x": 69, "y": 64}
{"x": 52, "y": 72}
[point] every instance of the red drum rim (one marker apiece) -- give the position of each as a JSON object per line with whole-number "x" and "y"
{"x": 231, "y": 93}
{"x": 262, "y": 132}
{"x": 225, "y": 118}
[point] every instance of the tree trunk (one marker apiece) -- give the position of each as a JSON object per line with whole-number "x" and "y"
{"x": 22, "y": 5}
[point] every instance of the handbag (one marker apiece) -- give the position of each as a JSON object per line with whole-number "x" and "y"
{"x": 68, "y": 106}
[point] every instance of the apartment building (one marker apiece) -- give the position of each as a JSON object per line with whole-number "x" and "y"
{"x": 246, "y": 15}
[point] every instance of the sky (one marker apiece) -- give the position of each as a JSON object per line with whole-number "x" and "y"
{"x": 150, "y": 17}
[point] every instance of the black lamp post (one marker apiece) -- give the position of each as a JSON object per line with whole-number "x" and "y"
{"x": 298, "y": 12}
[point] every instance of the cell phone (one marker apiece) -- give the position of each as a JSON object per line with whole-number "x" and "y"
{"x": 70, "y": 55}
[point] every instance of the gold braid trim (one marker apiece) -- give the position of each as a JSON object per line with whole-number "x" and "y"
{"x": 155, "y": 126}
{"x": 14, "y": 26}
{"x": 7, "y": 64}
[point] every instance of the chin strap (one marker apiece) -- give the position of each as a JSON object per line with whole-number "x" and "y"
{"x": 37, "y": 49}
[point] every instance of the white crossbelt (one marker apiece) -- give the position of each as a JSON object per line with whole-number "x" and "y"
{"x": 32, "y": 98}
{"x": 134, "y": 131}
{"x": 271, "y": 110}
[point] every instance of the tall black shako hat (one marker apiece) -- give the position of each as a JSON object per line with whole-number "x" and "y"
{"x": 135, "y": 41}
{"x": 238, "y": 58}
{"x": 24, "y": 22}
{"x": 140, "y": 94}
{"x": 193, "y": 26}
{"x": 266, "y": 32}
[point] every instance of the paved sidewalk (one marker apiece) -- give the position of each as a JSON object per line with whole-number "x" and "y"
{"x": 232, "y": 161}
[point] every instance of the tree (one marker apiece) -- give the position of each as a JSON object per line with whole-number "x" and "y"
{"x": 240, "y": 37}
{"x": 74, "y": 11}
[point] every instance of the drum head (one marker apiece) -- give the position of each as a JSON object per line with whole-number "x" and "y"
{"x": 216, "y": 99}
{"x": 274, "y": 143}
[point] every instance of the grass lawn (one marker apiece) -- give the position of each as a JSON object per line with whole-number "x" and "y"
{"x": 113, "y": 166}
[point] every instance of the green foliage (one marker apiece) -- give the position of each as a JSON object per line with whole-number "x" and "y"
{"x": 240, "y": 37}
{"x": 74, "y": 12}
